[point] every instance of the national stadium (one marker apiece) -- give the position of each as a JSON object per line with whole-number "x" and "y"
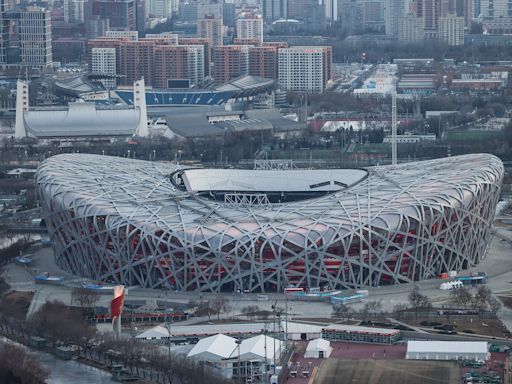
{"x": 158, "y": 225}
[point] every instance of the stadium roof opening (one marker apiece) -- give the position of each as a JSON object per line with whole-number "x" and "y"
{"x": 277, "y": 185}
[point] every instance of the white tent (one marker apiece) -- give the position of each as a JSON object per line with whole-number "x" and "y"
{"x": 213, "y": 348}
{"x": 260, "y": 348}
{"x": 318, "y": 348}
{"x": 156, "y": 333}
{"x": 447, "y": 350}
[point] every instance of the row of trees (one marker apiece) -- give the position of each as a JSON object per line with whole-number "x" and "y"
{"x": 482, "y": 300}
{"x": 64, "y": 325}
{"x": 215, "y": 306}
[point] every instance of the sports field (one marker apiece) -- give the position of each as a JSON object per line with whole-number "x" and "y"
{"x": 335, "y": 371}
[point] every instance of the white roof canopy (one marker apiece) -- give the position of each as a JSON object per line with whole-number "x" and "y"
{"x": 461, "y": 347}
{"x": 300, "y": 180}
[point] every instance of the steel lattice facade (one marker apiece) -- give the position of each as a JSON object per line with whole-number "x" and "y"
{"x": 120, "y": 220}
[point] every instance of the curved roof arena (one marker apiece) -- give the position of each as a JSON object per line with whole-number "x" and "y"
{"x": 124, "y": 220}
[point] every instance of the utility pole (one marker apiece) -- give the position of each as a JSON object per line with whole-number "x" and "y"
{"x": 393, "y": 124}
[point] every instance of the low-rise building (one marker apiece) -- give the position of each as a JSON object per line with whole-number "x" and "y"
{"x": 357, "y": 334}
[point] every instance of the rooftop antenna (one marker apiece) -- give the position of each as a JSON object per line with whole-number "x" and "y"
{"x": 393, "y": 123}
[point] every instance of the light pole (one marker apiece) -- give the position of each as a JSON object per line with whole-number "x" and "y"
{"x": 238, "y": 342}
{"x": 265, "y": 347}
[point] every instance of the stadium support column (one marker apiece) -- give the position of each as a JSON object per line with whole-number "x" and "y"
{"x": 139, "y": 102}
{"x": 21, "y": 108}
{"x": 393, "y": 124}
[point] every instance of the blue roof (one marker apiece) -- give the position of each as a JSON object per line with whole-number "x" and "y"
{"x": 179, "y": 97}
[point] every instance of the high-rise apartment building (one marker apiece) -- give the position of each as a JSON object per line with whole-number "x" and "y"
{"x": 26, "y": 37}
{"x": 451, "y": 30}
{"x": 167, "y": 37}
{"x": 431, "y": 11}
{"x": 393, "y": 10}
{"x": 249, "y": 26}
{"x": 410, "y": 29}
{"x": 306, "y": 69}
{"x": 129, "y": 35}
{"x": 120, "y": 13}
{"x": 73, "y": 11}
{"x": 207, "y": 50}
{"x": 230, "y": 61}
{"x": 211, "y": 28}
{"x": 372, "y": 15}
{"x": 331, "y": 10}
{"x": 103, "y": 61}
{"x": 263, "y": 61}
{"x": 156, "y": 59}
{"x": 494, "y": 9}
{"x": 210, "y": 7}
{"x": 178, "y": 62}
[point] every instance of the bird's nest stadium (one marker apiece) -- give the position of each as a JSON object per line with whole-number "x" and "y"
{"x": 164, "y": 226}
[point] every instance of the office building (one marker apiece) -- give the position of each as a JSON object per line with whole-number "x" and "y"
{"x": 159, "y": 8}
{"x": 229, "y": 15}
{"x": 274, "y": 10}
{"x": 104, "y": 62}
{"x": 26, "y": 38}
{"x": 120, "y": 13}
{"x": 306, "y": 69}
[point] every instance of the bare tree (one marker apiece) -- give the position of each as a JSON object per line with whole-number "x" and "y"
{"x": 339, "y": 310}
{"x": 419, "y": 301}
{"x": 17, "y": 366}
{"x": 494, "y": 304}
{"x": 61, "y": 323}
{"x": 373, "y": 307}
{"x": 399, "y": 309}
{"x": 204, "y": 309}
{"x": 219, "y": 304}
{"x": 84, "y": 298}
{"x": 461, "y": 296}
